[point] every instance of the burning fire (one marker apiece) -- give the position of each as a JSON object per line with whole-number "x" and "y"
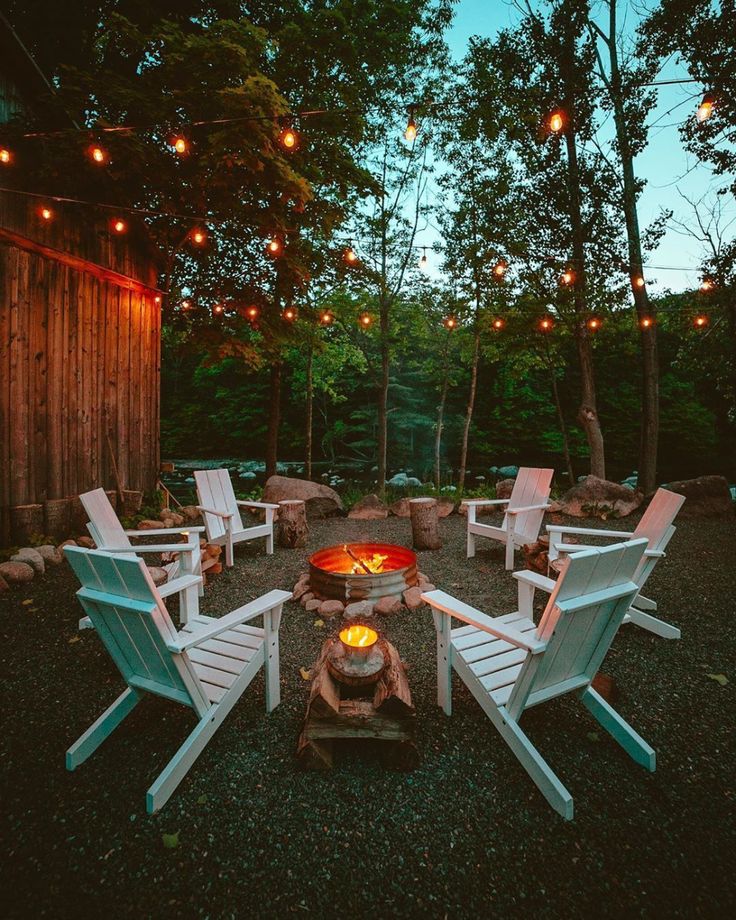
{"x": 358, "y": 636}
{"x": 368, "y": 565}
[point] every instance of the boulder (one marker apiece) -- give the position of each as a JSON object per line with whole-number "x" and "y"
{"x": 369, "y": 508}
{"x": 705, "y": 496}
{"x": 413, "y": 598}
{"x": 331, "y": 608}
{"x": 320, "y": 500}
{"x": 388, "y": 606}
{"x": 359, "y": 609}
{"x": 50, "y": 554}
{"x": 594, "y": 497}
{"x": 504, "y": 488}
{"x": 16, "y": 573}
{"x": 31, "y": 557}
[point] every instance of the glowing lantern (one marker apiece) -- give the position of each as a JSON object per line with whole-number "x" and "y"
{"x": 186, "y": 305}
{"x": 705, "y": 109}
{"x": 6, "y": 157}
{"x": 567, "y": 278}
{"x": 365, "y": 320}
{"x": 274, "y": 247}
{"x": 289, "y": 314}
{"x": 327, "y": 317}
{"x": 423, "y": 261}
{"x": 411, "y": 127}
{"x": 556, "y": 121}
{"x": 288, "y": 138}
{"x": 450, "y": 323}
{"x": 700, "y": 321}
{"x": 350, "y": 255}
{"x": 498, "y": 324}
{"x": 198, "y": 235}
{"x": 180, "y": 144}
{"x": 98, "y": 154}
{"x": 500, "y": 269}
{"x": 218, "y": 309}
{"x": 646, "y": 322}
{"x": 119, "y": 225}
{"x": 594, "y": 324}
{"x": 45, "y": 213}
{"x": 546, "y": 324}
{"x": 252, "y": 312}
{"x": 358, "y": 640}
{"x": 706, "y": 286}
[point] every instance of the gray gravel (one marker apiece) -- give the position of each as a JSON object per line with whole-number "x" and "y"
{"x": 464, "y": 835}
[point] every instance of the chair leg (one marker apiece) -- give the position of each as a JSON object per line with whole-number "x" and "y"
{"x": 658, "y": 627}
{"x": 102, "y": 728}
{"x": 471, "y": 545}
{"x": 510, "y": 552}
{"x": 443, "y": 623}
{"x": 229, "y": 552}
{"x": 86, "y": 623}
{"x": 535, "y": 765}
{"x": 179, "y": 765}
{"x": 188, "y": 604}
{"x": 269, "y": 544}
{"x": 620, "y": 730}
{"x": 271, "y": 621}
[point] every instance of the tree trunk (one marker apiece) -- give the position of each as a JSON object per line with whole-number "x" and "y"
{"x": 588, "y": 412}
{"x": 649, "y": 436}
{"x": 440, "y": 419}
{"x": 274, "y": 417}
{"x": 383, "y": 403}
{"x": 561, "y": 420}
{"x": 471, "y": 404}
{"x": 309, "y": 416}
{"x": 425, "y": 529}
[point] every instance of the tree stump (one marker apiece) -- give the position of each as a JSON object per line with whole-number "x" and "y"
{"x": 56, "y": 518}
{"x": 26, "y": 522}
{"x": 131, "y": 502}
{"x": 425, "y": 529}
{"x": 292, "y": 529}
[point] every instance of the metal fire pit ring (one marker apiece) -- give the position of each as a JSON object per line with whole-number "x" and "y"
{"x": 344, "y": 586}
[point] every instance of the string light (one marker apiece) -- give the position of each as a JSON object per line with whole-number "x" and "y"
{"x": 706, "y": 286}
{"x": 567, "y": 278}
{"x": 289, "y": 138}
{"x": 546, "y": 324}
{"x": 500, "y": 269}
{"x": 638, "y": 281}
{"x": 274, "y": 247}
{"x": 556, "y": 121}
{"x": 180, "y": 144}
{"x": 118, "y": 225}
{"x": 218, "y": 309}
{"x": 326, "y": 317}
{"x": 411, "y": 127}
{"x": 157, "y": 299}
{"x": 350, "y": 256}
{"x": 198, "y": 236}
{"x": 705, "y": 109}
{"x": 498, "y": 324}
{"x": 289, "y": 314}
{"x": 6, "y": 157}
{"x": 423, "y": 261}
{"x": 45, "y": 213}
{"x": 646, "y": 322}
{"x": 252, "y": 312}
{"x": 701, "y": 321}
{"x": 186, "y": 305}
{"x": 594, "y": 324}
{"x": 450, "y": 323}
{"x": 98, "y": 155}
{"x": 365, "y": 320}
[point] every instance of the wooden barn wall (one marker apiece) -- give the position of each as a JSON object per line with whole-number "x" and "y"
{"x": 79, "y": 363}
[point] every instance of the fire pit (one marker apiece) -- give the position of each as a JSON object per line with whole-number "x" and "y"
{"x": 362, "y": 571}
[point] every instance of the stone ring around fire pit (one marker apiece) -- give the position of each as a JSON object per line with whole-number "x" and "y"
{"x": 360, "y": 579}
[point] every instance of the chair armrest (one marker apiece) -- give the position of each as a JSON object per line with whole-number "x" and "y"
{"x": 452, "y": 606}
{"x": 655, "y": 553}
{"x": 198, "y": 632}
{"x": 257, "y": 504}
{"x": 536, "y": 581}
{"x": 528, "y": 508}
{"x": 223, "y": 514}
{"x": 162, "y": 548}
{"x": 485, "y": 501}
{"x": 163, "y": 532}
{"x": 589, "y": 531}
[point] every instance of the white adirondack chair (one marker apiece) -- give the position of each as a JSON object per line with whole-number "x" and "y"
{"x": 207, "y": 665}
{"x": 509, "y": 664}
{"x": 657, "y": 527}
{"x": 184, "y": 574}
{"x": 221, "y": 512}
{"x": 524, "y": 512}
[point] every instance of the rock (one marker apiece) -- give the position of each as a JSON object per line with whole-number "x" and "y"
{"x": 172, "y": 519}
{"x": 400, "y": 507}
{"x": 4, "y": 586}
{"x": 388, "y": 606}
{"x": 428, "y": 587}
{"x": 413, "y": 598}
{"x": 50, "y": 554}
{"x": 306, "y": 598}
{"x": 445, "y": 507}
{"x": 190, "y": 513}
{"x": 60, "y": 547}
{"x": 331, "y": 608}
{"x": 369, "y": 508}
{"x": 300, "y": 588}
{"x": 504, "y": 488}
{"x": 594, "y": 497}
{"x": 704, "y": 497}
{"x": 86, "y": 542}
{"x": 320, "y": 500}
{"x": 159, "y": 575}
{"x": 402, "y": 481}
{"x": 313, "y": 605}
{"x": 151, "y": 525}
{"x": 422, "y": 579}
{"x": 359, "y": 609}
{"x": 31, "y": 557}
{"x": 16, "y": 573}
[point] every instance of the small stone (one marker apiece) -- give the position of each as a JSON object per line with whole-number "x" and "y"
{"x": 313, "y": 605}
{"x": 301, "y": 588}
{"x": 358, "y": 609}
{"x": 50, "y": 554}
{"x": 86, "y": 542}
{"x": 428, "y": 587}
{"x": 159, "y": 575}
{"x": 388, "y": 606}
{"x": 306, "y": 598}
{"x": 172, "y": 519}
{"x": 16, "y": 573}
{"x": 60, "y": 547}
{"x": 413, "y": 598}
{"x": 151, "y": 525}
{"x": 331, "y": 608}
{"x": 191, "y": 513}
{"x": 422, "y": 579}
{"x": 31, "y": 557}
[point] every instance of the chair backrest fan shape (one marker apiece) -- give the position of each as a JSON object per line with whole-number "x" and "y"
{"x": 216, "y": 491}
{"x": 120, "y": 598}
{"x": 530, "y": 488}
{"x": 104, "y": 527}
{"x": 579, "y": 623}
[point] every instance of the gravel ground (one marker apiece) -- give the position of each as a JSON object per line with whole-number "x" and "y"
{"x": 464, "y": 835}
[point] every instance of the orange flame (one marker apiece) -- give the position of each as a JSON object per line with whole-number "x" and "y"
{"x": 358, "y": 636}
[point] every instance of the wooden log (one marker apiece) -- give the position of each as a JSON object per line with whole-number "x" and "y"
{"x": 56, "y": 518}
{"x": 313, "y": 754}
{"x": 26, "y": 522}
{"x": 424, "y": 523}
{"x": 324, "y": 696}
{"x": 292, "y": 529}
{"x": 392, "y": 695}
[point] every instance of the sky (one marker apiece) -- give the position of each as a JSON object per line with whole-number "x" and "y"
{"x": 665, "y": 165}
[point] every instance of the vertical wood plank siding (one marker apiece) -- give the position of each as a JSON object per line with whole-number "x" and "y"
{"x": 79, "y": 359}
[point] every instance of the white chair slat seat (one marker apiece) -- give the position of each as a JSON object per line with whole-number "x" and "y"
{"x": 510, "y": 665}
{"x": 524, "y": 512}
{"x": 207, "y": 665}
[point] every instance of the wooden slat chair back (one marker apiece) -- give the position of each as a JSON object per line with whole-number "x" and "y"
{"x": 104, "y": 525}
{"x": 509, "y": 664}
{"x": 657, "y": 528}
{"x": 221, "y": 511}
{"x": 206, "y": 666}
{"x": 524, "y": 512}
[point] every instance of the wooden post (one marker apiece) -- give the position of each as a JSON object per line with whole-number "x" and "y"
{"x": 424, "y": 523}
{"x": 292, "y": 529}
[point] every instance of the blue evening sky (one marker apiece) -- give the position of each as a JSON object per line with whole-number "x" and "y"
{"x": 665, "y": 164}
